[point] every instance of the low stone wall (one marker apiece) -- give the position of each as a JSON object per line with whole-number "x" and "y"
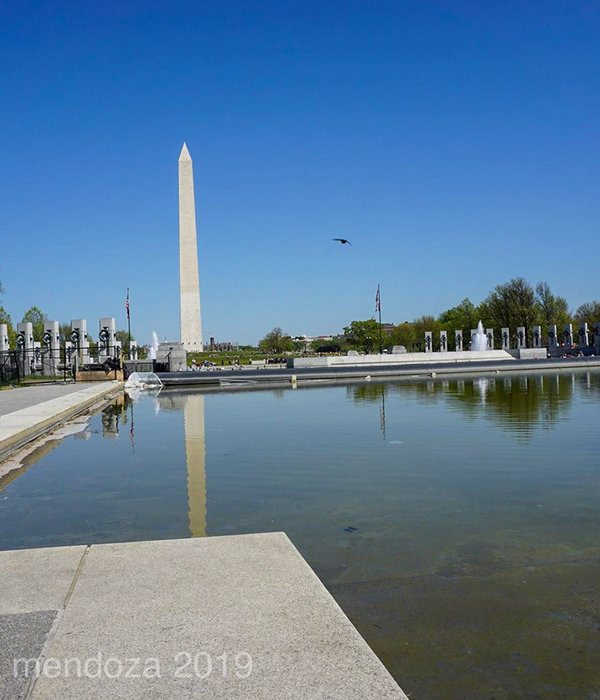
{"x": 529, "y": 353}
{"x": 399, "y": 359}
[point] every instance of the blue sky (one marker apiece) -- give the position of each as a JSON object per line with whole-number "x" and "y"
{"x": 454, "y": 143}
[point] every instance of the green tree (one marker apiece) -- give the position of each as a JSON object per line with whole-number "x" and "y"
{"x": 335, "y": 344}
{"x": 404, "y": 334}
{"x": 364, "y": 335}
{"x": 276, "y": 341}
{"x": 341, "y": 340}
{"x": 36, "y": 316}
{"x": 463, "y": 317}
{"x": 123, "y": 337}
{"x": 552, "y": 309}
{"x": 5, "y": 318}
{"x": 510, "y": 305}
{"x": 299, "y": 345}
{"x": 422, "y": 325}
{"x": 64, "y": 331}
{"x": 588, "y": 313}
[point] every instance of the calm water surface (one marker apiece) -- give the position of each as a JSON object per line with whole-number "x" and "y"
{"x": 456, "y": 522}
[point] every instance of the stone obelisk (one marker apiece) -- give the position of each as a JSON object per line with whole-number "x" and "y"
{"x": 189, "y": 285}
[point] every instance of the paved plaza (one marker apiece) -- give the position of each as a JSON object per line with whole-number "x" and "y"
{"x": 242, "y": 616}
{"x": 12, "y": 400}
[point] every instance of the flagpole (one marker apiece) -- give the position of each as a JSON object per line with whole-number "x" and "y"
{"x": 379, "y": 307}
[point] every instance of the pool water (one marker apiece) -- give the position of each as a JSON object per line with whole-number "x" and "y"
{"x": 457, "y": 522}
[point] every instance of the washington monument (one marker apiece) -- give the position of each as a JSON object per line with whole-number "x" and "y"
{"x": 189, "y": 286}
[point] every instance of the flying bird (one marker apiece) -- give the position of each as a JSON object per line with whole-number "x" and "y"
{"x": 343, "y": 241}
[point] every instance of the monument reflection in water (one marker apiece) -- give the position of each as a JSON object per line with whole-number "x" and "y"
{"x": 192, "y": 406}
{"x": 456, "y": 521}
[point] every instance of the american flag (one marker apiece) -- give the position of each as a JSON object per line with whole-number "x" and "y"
{"x": 377, "y": 304}
{"x": 127, "y": 303}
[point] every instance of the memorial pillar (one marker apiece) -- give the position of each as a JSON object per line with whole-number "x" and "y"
{"x": 552, "y": 338}
{"x": 537, "y": 336}
{"x": 490, "y": 338}
{"x": 51, "y": 343}
{"x": 428, "y": 341}
{"x": 79, "y": 338}
{"x": 107, "y": 338}
{"x": 4, "y": 345}
{"x": 583, "y": 336}
{"x": 443, "y": 341}
{"x": 25, "y": 347}
{"x": 521, "y": 337}
{"x": 458, "y": 341}
{"x": 568, "y": 336}
{"x": 506, "y": 339}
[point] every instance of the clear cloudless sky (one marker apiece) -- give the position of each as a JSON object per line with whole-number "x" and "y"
{"x": 455, "y": 144}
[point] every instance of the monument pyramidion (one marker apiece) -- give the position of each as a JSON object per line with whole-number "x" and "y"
{"x": 189, "y": 285}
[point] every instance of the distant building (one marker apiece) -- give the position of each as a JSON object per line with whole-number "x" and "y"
{"x": 227, "y": 346}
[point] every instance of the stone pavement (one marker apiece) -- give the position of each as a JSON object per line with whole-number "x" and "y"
{"x": 242, "y": 616}
{"x": 12, "y": 400}
{"x": 28, "y": 412}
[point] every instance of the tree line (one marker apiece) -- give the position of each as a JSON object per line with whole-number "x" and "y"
{"x": 509, "y": 305}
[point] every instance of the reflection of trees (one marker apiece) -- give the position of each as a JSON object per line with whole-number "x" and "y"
{"x": 519, "y": 403}
{"x": 370, "y": 393}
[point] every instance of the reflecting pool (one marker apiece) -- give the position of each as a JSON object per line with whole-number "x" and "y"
{"x": 457, "y": 522}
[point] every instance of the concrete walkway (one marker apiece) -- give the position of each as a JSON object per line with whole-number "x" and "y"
{"x": 242, "y": 616}
{"x": 28, "y": 412}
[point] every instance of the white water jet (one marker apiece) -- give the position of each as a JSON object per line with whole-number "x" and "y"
{"x": 153, "y": 347}
{"x": 482, "y": 385}
{"x": 479, "y": 341}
